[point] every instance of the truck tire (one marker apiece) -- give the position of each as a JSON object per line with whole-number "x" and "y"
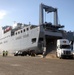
{"x": 24, "y": 53}
{"x": 16, "y": 54}
{"x": 71, "y": 57}
{"x": 56, "y": 55}
{"x": 60, "y": 57}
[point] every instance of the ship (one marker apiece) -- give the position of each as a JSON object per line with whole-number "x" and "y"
{"x": 23, "y": 39}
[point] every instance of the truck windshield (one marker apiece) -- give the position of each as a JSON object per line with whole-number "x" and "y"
{"x": 65, "y": 46}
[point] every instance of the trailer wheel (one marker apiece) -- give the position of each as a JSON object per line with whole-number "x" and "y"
{"x": 29, "y": 53}
{"x": 16, "y": 54}
{"x": 24, "y": 53}
{"x": 33, "y": 53}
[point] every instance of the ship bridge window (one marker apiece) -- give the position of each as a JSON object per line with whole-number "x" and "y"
{"x": 33, "y": 40}
{"x": 33, "y": 26}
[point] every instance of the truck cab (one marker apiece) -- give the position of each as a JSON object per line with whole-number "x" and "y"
{"x": 64, "y": 49}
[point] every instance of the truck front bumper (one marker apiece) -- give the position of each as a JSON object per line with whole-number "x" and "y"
{"x": 67, "y": 56}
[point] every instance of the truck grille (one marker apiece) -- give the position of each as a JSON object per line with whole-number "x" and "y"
{"x": 67, "y": 52}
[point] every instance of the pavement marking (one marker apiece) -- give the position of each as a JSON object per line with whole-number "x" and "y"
{"x": 16, "y": 65}
{"x": 49, "y": 72}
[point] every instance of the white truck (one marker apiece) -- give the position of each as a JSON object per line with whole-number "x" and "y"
{"x": 64, "y": 49}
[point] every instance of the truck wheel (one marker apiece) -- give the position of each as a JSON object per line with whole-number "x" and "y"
{"x": 60, "y": 57}
{"x": 29, "y": 53}
{"x": 71, "y": 57}
{"x": 56, "y": 55}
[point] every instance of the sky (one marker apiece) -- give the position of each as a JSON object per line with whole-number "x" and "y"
{"x": 25, "y": 11}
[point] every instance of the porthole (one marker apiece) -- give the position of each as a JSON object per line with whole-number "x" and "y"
{"x": 24, "y": 30}
{"x": 27, "y": 29}
{"x": 21, "y": 31}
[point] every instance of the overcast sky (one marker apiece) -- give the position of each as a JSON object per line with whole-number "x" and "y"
{"x": 26, "y": 11}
